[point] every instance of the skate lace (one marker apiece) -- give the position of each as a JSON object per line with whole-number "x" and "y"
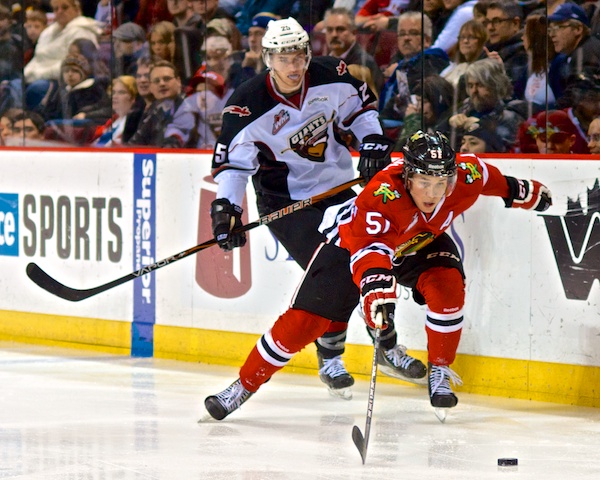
{"x": 333, "y": 367}
{"x": 439, "y": 380}
{"x": 232, "y": 397}
{"x": 398, "y": 357}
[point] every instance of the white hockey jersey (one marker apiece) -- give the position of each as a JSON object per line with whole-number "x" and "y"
{"x": 290, "y": 152}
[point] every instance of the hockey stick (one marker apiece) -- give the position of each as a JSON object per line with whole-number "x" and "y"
{"x": 362, "y": 442}
{"x": 45, "y": 281}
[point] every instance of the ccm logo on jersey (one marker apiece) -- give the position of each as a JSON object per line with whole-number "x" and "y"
{"x": 236, "y": 110}
{"x": 373, "y": 146}
{"x": 378, "y": 277}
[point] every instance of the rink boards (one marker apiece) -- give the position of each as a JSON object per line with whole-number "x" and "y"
{"x": 87, "y": 217}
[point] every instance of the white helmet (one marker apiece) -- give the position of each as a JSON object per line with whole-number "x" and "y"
{"x": 283, "y": 36}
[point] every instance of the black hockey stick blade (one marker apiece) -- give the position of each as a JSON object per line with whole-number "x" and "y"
{"x": 45, "y": 281}
{"x": 359, "y": 441}
{"x": 362, "y": 441}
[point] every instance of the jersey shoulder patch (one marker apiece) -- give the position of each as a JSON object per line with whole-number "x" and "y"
{"x": 324, "y": 70}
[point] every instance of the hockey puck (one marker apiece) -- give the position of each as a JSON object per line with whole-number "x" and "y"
{"x": 507, "y": 462}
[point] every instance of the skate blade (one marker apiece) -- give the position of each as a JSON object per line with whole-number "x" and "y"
{"x": 441, "y": 413}
{"x": 390, "y": 372}
{"x": 343, "y": 393}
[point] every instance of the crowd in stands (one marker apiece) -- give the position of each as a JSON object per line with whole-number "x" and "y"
{"x": 494, "y": 75}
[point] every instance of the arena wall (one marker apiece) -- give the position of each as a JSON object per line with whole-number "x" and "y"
{"x": 88, "y": 217}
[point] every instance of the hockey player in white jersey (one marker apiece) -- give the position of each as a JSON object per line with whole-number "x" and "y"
{"x": 282, "y": 129}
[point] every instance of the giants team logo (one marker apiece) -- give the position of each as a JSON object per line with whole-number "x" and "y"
{"x": 311, "y": 140}
{"x": 280, "y": 120}
{"x": 237, "y": 110}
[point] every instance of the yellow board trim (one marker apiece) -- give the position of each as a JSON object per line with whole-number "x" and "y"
{"x": 541, "y": 381}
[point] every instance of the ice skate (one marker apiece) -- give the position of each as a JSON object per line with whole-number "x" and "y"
{"x": 227, "y": 401}
{"x": 396, "y": 363}
{"x": 441, "y": 395}
{"x": 333, "y": 374}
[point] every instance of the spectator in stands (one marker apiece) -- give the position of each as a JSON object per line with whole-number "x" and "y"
{"x": 100, "y": 70}
{"x": 142, "y": 80}
{"x": 410, "y": 68}
{"x": 52, "y": 47}
{"x": 165, "y": 85}
{"x": 479, "y": 10}
{"x": 503, "y": 23}
{"x": 129, "y": 44}
{"x": 6, "y": 122}
{"x": 251, "y": 8}
{"x": 104, "y": 15}
{"x": 161, "y": 37}
{"x": 211, "y": 9}
{"x": 35, "y": 22}
{"x": 555, "y": 132}
{"x": 570, "y": 33}
{"x": 128, "y": 108}
{"x": 481, "y": 138}
{"x": 11, "y": 60}
{"x": 461, "y": 12}
{"x": 78, "y": 97}
{"x": 340, "y": 35}
{"x": 219, "y": 56}
{"x": 151, "y": 12}
{"x": 189, "y": 35}
{"x": 252, "y": 61}
{"x": 375, "y": 15}
{"x": 428, "y": 109}
{"x": 582, "y": 100}
{"x": 197, "y": 122}
{"x": 471, "y": 43}
{"x": 594, "y": 136}
{"x": 488, "y": 88}
{"x": 26, "y": 125}
{"x": 538, "y": 93}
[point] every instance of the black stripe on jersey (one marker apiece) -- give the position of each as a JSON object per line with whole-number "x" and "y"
{"x": 372, "y": 249}
{"x": 342, "y": 217}
{"x": 270, "y": 351}
{"x": 349, "y": 121}
{"x": 445, "y": 323}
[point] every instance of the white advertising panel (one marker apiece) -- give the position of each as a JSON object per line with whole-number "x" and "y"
{"x": 89, "y": 217}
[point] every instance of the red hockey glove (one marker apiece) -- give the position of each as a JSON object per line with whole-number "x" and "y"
{"x": 375, "y": 151}
{"x": 225, "y": 218}
{"x": 378, "y": 295}
{"x": 528, "y": 194}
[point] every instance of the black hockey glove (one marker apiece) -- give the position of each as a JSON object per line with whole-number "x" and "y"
{"x": 378, "y": 293}
{"x": 225, "y": 218}
{"x": 375, "y": 151}
{"x": 528, "y": 194}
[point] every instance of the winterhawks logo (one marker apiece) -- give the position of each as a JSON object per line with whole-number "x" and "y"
{"x": 237, "y": 110}
{"x": 575, "y": 240}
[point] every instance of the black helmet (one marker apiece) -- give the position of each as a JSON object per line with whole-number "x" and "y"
{"x": 430, "y": 154}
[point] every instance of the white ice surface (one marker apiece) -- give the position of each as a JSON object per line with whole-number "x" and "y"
{"x": 71, "y": 414}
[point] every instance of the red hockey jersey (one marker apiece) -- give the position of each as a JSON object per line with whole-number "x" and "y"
{"x": 385, "y": 222}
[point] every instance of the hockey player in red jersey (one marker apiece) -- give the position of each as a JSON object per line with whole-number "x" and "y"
{"x": 392, "y": 233}
{"x": 282, "y": 129}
